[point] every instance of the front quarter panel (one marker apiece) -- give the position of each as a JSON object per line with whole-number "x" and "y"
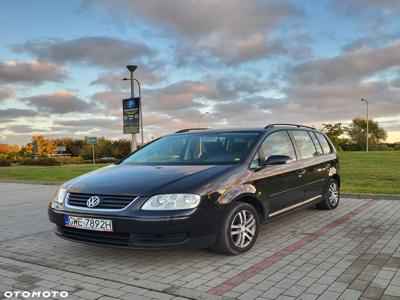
{"x": 227, "y": 195}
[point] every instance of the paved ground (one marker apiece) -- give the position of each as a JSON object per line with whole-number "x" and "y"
{"x": 352, "y": 252}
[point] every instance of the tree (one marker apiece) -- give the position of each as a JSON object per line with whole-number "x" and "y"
{"x": 9, "y": 149}
{"x": 73, "y": 146}
{"x": 357, "y": 133}
{"x": 121, "y": 148}
{"x": 44, "y": 146}
{"x": 103, "y": 148}
{"x": 9, "y": 152}
{"x": 335, "y": 133}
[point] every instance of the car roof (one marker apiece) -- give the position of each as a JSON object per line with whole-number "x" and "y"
{"x": 211, "y": 130}
{"x": 245, "y": 129}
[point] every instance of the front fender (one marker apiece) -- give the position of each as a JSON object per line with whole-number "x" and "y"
{"x": 228, "y": 195}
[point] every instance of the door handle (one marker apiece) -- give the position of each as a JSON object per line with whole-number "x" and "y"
{"x": 301, "y": 172}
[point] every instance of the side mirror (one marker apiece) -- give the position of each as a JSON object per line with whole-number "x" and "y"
{"x": 278, "y": 160}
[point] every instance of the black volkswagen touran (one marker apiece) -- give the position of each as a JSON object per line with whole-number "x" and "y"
{"x": 200, "y": 188}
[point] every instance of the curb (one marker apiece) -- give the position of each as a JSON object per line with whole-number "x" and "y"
{"x": 29, "y": 182}
{"x": 370, "y": 196}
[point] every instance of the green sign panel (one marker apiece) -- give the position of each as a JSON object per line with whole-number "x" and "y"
{"x": 92, "y": 140}
{"x": 131, "y": 113}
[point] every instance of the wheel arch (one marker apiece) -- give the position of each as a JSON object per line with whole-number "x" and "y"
{"x": 337, "y": 178}
{"x": 255, "y": 202}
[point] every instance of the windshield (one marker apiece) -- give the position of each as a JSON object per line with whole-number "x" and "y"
{"x": 196, "y": 149}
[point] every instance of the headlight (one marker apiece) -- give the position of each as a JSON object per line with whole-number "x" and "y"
{"x": 60, "y": 195}
{"x": 172, "y": 202}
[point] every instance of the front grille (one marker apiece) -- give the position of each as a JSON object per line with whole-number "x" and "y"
{"x": 149, "y": 239}
{"x": 106, "y": 201}
{"x": 96, "y": 237}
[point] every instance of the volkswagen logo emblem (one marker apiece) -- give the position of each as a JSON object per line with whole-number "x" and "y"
{"x": 93, "y": 201}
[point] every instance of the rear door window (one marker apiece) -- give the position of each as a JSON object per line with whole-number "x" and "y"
{"x": 304, "y": 143}
{"x": 324, "y": 143}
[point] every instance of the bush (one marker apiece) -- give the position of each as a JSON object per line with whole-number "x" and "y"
{"x": 73, "y": 160}
{"x": 101, "y": 161}
{"x": 54, "y": 161}
{"x": 41, "y": 162}
{"x": 4, "y": 162}
{"x": 106, "y": 160}
{"x": 379, "y": 147}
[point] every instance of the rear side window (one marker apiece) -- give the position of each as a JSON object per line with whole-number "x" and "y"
{"x": 305, "y": 144}
{"x": 324, "y": 143}
{"x": 278, "y": 143}
{"x": 316, "y": 143}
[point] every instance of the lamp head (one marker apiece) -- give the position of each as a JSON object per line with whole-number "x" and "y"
{"x": 204, "y": 114}
{"x": 131, "y": 68}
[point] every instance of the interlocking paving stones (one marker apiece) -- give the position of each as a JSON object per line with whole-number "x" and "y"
{"x": 357, "y": 258}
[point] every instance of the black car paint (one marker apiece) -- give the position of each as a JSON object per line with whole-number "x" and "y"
{"x": 272, "y": 189}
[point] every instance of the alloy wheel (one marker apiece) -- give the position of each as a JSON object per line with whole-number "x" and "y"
{"x": 333, "y": 194}
{"x": 243, "y": 228}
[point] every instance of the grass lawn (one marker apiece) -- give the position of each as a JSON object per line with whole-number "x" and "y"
{"x": 361, "y": 172}
{"x": 375, "y": 172}
{"x": 46, "y": 174}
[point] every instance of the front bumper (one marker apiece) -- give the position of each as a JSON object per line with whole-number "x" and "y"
{"x": 193, "y": 231}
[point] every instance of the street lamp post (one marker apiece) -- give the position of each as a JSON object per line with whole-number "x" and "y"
{"x": 141, "y": 111}
{"x": 132, "y": 69}
{"x": 366, "y": 102}
{"x": 201, "y": 117}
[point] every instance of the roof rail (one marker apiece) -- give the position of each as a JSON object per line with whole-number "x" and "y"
{"x": 190, "y": 129}
{"x": 288, "y": 124}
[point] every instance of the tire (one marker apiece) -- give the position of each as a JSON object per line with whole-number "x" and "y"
{"x": 233, "y": 238}
{"x": 331, "y": 197}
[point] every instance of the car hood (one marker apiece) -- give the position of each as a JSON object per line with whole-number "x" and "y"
{"x": 145, "y": 180}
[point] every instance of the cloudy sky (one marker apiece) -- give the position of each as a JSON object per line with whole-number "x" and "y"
{"x": 248, "y": 63}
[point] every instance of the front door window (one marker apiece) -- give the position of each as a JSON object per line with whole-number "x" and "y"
{"x": 278, "y": 143}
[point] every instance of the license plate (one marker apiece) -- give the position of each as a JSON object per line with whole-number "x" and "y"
{"x": 89, "y": 223}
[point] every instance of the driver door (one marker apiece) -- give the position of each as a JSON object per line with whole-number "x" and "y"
{"x": 280, "y": 185}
